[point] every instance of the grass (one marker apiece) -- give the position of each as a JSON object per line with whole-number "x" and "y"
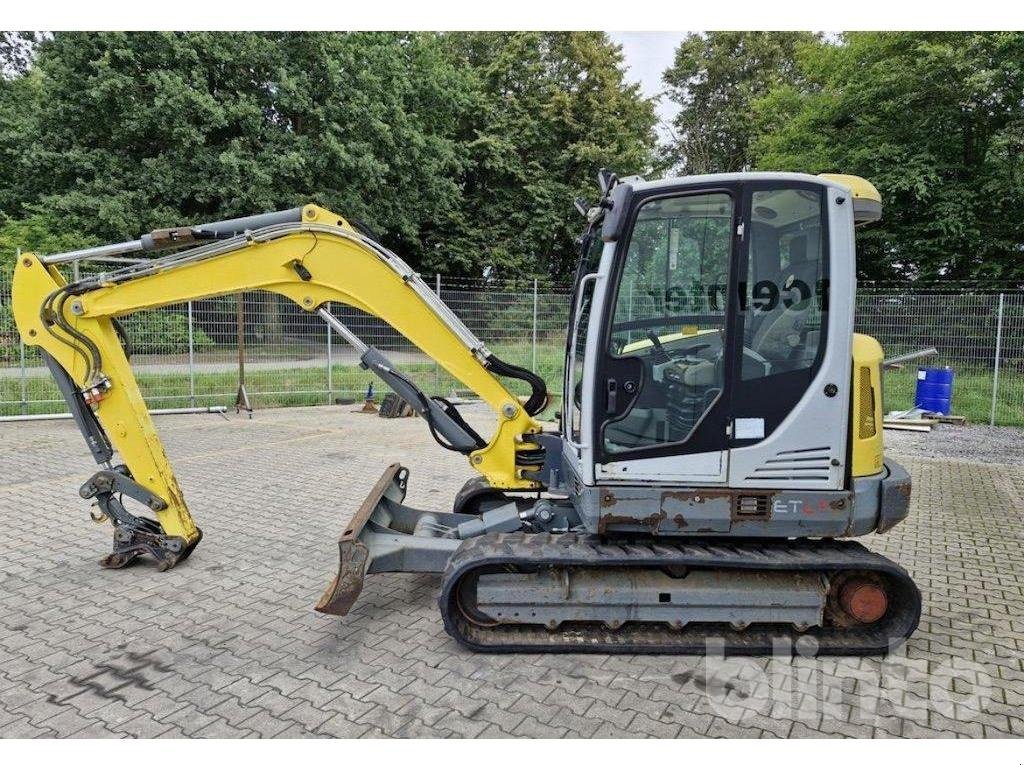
{"x": 280, "y": 388}
{"x": 972, "y": 394}
{"x": 308, "y": 386}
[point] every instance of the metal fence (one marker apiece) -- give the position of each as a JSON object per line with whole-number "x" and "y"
{"x": 199, "y": 353}
{"x": 978, "y": 334}
{"x": 189, "y": 354}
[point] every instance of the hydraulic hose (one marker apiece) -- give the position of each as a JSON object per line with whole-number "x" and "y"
{"x": 538, "y": 399}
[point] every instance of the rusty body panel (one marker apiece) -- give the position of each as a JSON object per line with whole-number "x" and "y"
{"x": 652, "y": 523}
{"x": 717, "y": 511}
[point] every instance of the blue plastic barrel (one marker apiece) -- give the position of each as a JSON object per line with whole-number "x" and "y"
{"x": 934, "y": 390}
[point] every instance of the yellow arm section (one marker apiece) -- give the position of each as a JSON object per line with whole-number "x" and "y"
{"x": 340, "y": 268}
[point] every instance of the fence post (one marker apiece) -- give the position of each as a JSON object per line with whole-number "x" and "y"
{"x": 330, "y": 361}
{"x": 21, "y": 354}
{"x": 242, "y": 402}
{"x": 24, "y": 383}
{"x": 437, "y": 366}
{"x": 534, "y": 369}
{"x": 191, "y": 359}
{"x": 995, "y": 370}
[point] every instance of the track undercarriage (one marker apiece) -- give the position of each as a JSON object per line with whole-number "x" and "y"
{"x": 509, "y": 585}
{"x": 570, "y": 593}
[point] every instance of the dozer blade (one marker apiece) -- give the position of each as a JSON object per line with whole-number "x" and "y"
{"x": 353, "y": 554}
{"x": 386, "y": 536}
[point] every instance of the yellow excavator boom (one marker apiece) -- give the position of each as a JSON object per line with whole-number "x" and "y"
{"x": 318, "y": 258}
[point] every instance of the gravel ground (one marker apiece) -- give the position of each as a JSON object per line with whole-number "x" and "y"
{"x": 970, "y": 442}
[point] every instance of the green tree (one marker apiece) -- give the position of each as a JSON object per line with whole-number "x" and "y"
{"x": 16, "y": 50}
{"x": 19, "y": 94}
{"x": 550, "y": 109}
{"x": 137, "y": 130}
{"x": 715, "y": 78}
{"x": 936, "y": 121}
{"x": 39, "y": 230}
{"x": 462, "y": 151}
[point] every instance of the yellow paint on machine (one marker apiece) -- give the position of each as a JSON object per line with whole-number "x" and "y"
{"x": 866, "y": 425}
{"x": 342, "y": 269}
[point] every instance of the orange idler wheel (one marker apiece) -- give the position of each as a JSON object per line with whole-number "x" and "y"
{"x": 864, "y": 601}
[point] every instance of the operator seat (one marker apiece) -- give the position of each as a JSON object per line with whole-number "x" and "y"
{"x": 780, "y": 333}
{"x": 777, "y": 338}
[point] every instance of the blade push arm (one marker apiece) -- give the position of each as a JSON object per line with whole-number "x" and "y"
{"x": 316, "y": 260}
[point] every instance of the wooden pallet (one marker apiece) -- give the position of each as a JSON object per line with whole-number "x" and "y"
{"x": 906, "y": 426}
{"x": 920, "y": 423}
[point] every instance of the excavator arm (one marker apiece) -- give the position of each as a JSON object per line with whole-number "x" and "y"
{"x": 308, "y": 255}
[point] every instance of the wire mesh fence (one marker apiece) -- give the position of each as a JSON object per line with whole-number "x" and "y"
{"x": 979, "y": 335}
{"x": 199, "y": 353}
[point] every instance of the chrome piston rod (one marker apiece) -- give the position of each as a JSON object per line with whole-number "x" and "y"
{"x": 342, "y": 330}
{"x": 99, "y": 252}
{"x": 458, "y": 435}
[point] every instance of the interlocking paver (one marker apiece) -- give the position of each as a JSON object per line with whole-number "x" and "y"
{"x": 221, "y": 729}
{"x": 143, "y": 727}
{"x": 23, "y": 729}
{"x": 531, "y": 727}
{"x": 459, "y": 725}
{"x": 266, "y": 724}
{"x": 341, "y": 727}
{"x": 384, "y": 719}
{"x": 227, "y": 644}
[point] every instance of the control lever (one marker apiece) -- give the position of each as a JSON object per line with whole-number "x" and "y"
{"x": 660, "y": 356}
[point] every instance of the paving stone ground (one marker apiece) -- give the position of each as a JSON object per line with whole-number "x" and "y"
{"x": 228, "y": 644}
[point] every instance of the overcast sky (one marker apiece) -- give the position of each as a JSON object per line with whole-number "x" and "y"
{"x": 648, "y": 54}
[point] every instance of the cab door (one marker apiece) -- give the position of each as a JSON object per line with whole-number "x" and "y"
{"x": 585, "y": 315}
{"x": 666, "y": 352}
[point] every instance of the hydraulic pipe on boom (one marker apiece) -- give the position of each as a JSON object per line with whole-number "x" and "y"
{"x": 175, "y": 237}
{"x": 308, "y": 255}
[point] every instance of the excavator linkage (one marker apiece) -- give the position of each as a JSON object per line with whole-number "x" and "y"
{"x": 308, "y": 255}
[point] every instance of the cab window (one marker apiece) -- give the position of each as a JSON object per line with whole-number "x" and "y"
{"x": 670, "y": 310}
{"x": 784, "y": 298}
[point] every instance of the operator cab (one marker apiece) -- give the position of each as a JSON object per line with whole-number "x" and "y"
{"x": 709, "y": 310}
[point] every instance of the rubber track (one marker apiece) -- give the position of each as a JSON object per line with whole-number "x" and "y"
{"x": 532, "y": 551}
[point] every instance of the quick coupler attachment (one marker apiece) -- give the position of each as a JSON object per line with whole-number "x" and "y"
{"x": 146, "y": 537}
{"x": 384, "y": 535}
{"x": 133, "y": 535}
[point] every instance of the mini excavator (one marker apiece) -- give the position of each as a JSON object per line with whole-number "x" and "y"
{"x": 718, "y": 449}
